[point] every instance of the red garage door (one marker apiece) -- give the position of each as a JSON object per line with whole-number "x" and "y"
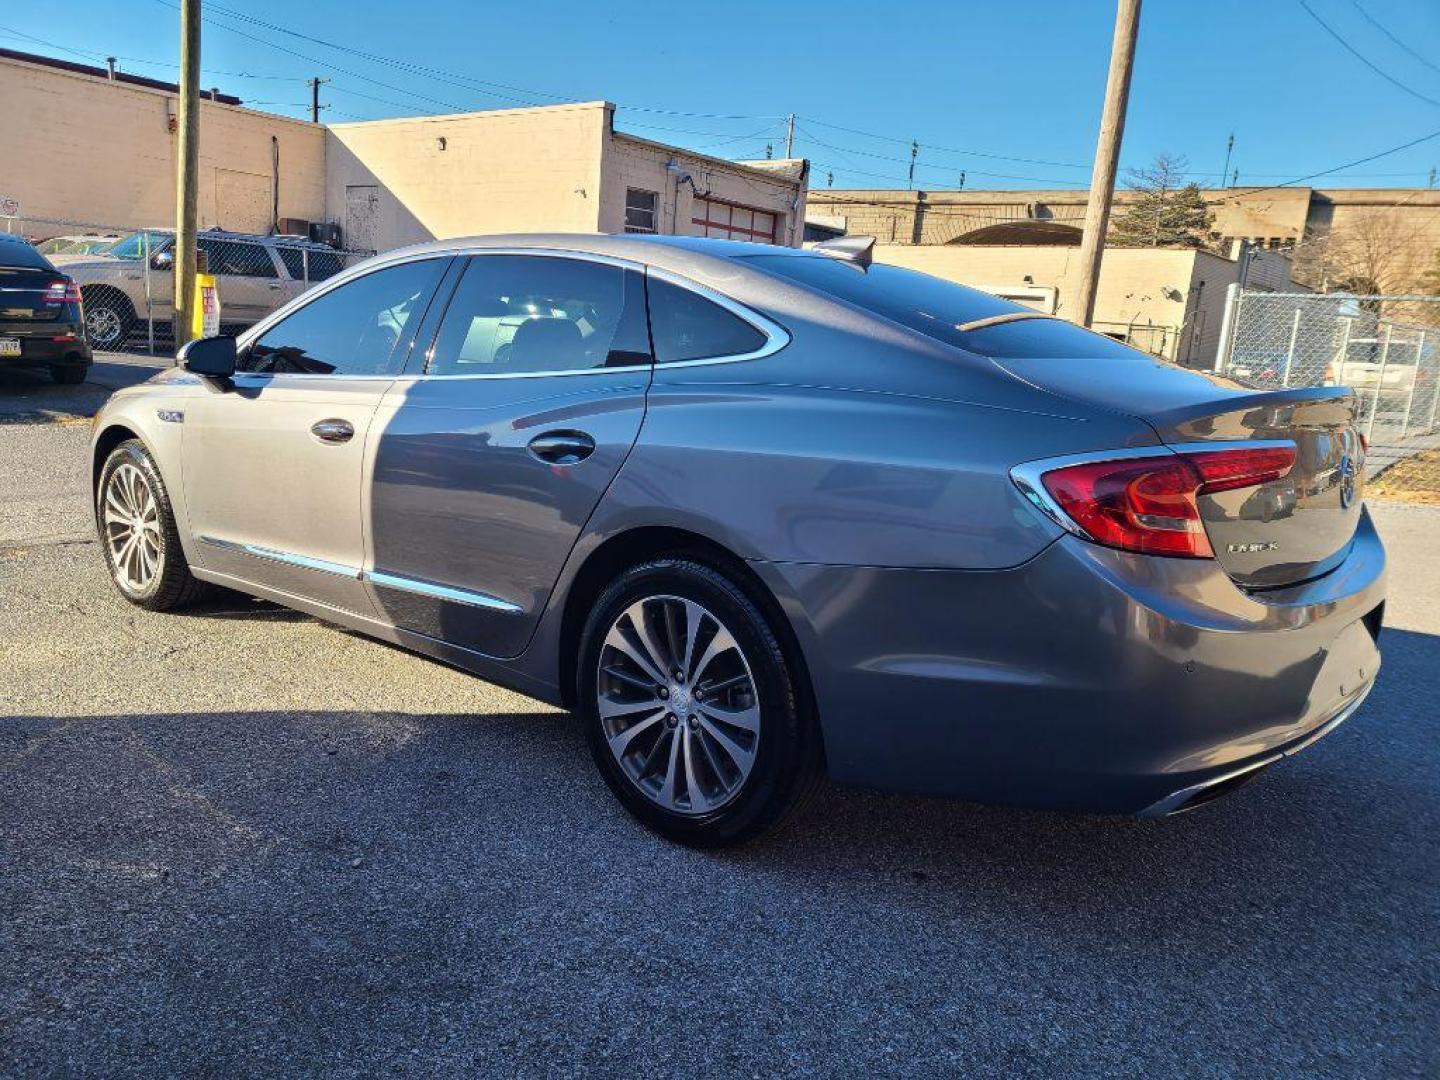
{"x": 730, "y": 221}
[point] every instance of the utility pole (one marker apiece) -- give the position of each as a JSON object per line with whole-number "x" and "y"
{"x": 1432, "y": 176}
{"x": 1229, "y": 146}
{"x": 315, "y": 99}
{"x": 1107, "y": 157}
{"x": 1235, "y": 178}
{"x": 188, "y": 162}
{"x": 790, "y": 136}
{"x": 962, "y": 182}
{"x": 914, "y": 153}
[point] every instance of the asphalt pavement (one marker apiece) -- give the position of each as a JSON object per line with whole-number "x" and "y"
{"x": 240, "y": 842}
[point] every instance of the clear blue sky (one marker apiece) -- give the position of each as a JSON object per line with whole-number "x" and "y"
{"x": 1002, "y": 78}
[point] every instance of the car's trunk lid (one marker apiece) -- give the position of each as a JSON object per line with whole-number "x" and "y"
{"x": 25, "y": 295}
{"x": 1274, "y": 534}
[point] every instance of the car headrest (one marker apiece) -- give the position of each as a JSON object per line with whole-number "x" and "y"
{"x": 547, "y": 345}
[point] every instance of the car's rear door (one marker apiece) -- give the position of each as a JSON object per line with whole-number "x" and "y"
{"x": 273, "y": 467}
{"x": 247, "y": 277}
{"x": 488, "y": 464}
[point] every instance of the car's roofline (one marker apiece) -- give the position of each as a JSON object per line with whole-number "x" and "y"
{"x": 677, "y": 253}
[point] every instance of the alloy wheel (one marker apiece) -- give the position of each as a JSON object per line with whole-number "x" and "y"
{"x": 678, "y": 704}
{"x": 103, "y": 327}
{"x": 131, "y": 519}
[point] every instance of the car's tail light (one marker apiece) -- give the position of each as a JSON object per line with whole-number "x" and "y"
{"x": 1149, "y": 504}
{"x": 62, "y": 292}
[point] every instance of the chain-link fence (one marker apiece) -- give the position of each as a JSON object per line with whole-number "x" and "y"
{"x": 126, "y": 275}
{"x": 1157, "y": 339}
{"x": 1385, "y": 348}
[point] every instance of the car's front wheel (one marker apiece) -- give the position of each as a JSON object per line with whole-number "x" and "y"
{"x": 138, "y": 532}
{"x": 693, "y": 713}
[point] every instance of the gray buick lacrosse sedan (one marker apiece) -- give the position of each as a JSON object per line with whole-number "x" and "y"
{"x": 757, "y": 514}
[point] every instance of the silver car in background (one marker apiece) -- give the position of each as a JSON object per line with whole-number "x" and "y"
{"x": 757, "y": 514}
{"x": 130, "y": 283}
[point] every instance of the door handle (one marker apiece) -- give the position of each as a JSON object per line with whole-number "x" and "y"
{"x": 275, "y": 285}
{"x": 562, "y": 447}
{"x": 333, "y": 431}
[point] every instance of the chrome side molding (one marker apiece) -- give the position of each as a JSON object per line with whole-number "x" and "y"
{"x": 378, "y": 577}
{"x": 442, "y": 592}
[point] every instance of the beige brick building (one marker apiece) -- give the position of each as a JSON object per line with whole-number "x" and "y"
{"x": 1382, "y": 238}
{"x": 105, "y": 157}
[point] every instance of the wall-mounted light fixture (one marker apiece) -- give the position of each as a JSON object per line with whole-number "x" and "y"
{"x": 440, "y": 143}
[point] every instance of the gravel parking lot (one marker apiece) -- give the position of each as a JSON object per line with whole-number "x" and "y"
{"x": 239, "y": 841}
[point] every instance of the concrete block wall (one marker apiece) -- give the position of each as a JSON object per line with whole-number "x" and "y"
{"x": 444, "y": 176}
{"x": 629, "y": 162}
{"x": 77, "y": 148}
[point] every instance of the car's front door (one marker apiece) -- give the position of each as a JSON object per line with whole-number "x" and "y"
{"x": 273, "y": 466}
{"x": 488, "y": 464}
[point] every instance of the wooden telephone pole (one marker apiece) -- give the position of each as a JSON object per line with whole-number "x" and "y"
{"x": 187, "y": 184}
{"x": 1107, "y": 157}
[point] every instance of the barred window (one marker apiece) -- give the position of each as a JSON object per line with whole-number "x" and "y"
{"x": 640, "y": 210}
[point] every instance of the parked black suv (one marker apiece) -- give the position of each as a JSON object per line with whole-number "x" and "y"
{"x": 41, "y": 324}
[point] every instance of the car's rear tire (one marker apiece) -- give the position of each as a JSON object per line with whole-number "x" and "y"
{"x": 109, "y": 318}
{"x": 138, "y": 533}
{"x": 68, "y": 374}
{"x": 716, "y": 768}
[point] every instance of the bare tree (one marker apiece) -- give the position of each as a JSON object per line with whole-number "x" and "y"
{"x": 1369, "y": 252}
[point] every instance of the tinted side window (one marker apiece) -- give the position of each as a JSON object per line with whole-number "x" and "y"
{"x": 309, "y": 265}
{"x": 686, "y": 326}
{"x": 513, "y": 314}
{"x": 352, "y": 330}
{"x": 237, "y": 259}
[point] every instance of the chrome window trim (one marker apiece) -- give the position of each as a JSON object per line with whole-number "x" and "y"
{"x": 442, "y": 592}
{"x": 1027, "y": 475}
{"x": 378, "y": 577}
{"x": 777, "y": 337}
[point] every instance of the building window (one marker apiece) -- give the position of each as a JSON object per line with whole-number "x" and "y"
{"x": 730, "y": 221}
{"x": 640, "y": 210}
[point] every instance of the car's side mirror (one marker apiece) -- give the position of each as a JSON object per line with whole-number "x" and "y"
{"x": 162, "y": 260}
{"x": 210, "y": 358}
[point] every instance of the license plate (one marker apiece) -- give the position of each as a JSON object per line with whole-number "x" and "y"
{"x": 9, "y": 346}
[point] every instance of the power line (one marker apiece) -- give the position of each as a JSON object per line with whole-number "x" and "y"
{"x": 946, "y": 149}
{"x": 1365, "y": 60}
{"x": 1381, "y": 27}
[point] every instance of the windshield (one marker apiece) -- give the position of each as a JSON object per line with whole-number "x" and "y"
{"x": 138, "y": 245}
{"x": 938, "y": 308}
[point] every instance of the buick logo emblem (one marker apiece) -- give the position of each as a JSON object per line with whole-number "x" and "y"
{"x": 1347, "y": 481}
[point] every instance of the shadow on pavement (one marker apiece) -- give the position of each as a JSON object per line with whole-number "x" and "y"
{"x": 344, "y": 886}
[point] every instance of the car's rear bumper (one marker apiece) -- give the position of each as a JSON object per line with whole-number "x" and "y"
{"x": 1086, "y": 678}
{"x": 55, "y": 343}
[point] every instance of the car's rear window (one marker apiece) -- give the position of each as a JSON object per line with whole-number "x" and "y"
{"x": 20, "y": 255}
{"x": 937, "y": 308}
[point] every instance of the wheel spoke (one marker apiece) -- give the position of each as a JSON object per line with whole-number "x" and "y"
{"x": 667, "y": 790}
{"x": 743, "y": 758}
{"x": 621, "y": 743}
{"x": 617, "y": 672}
{"x": 721, "y": 643}
{"x": 617, "y": 640}
{"x": 642, "y": 631}
{"x": 698, "y": 800}
{"x": 694, "y": 618}
{"x": 745, "y": 719}
{"x": 611, "y": 709}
